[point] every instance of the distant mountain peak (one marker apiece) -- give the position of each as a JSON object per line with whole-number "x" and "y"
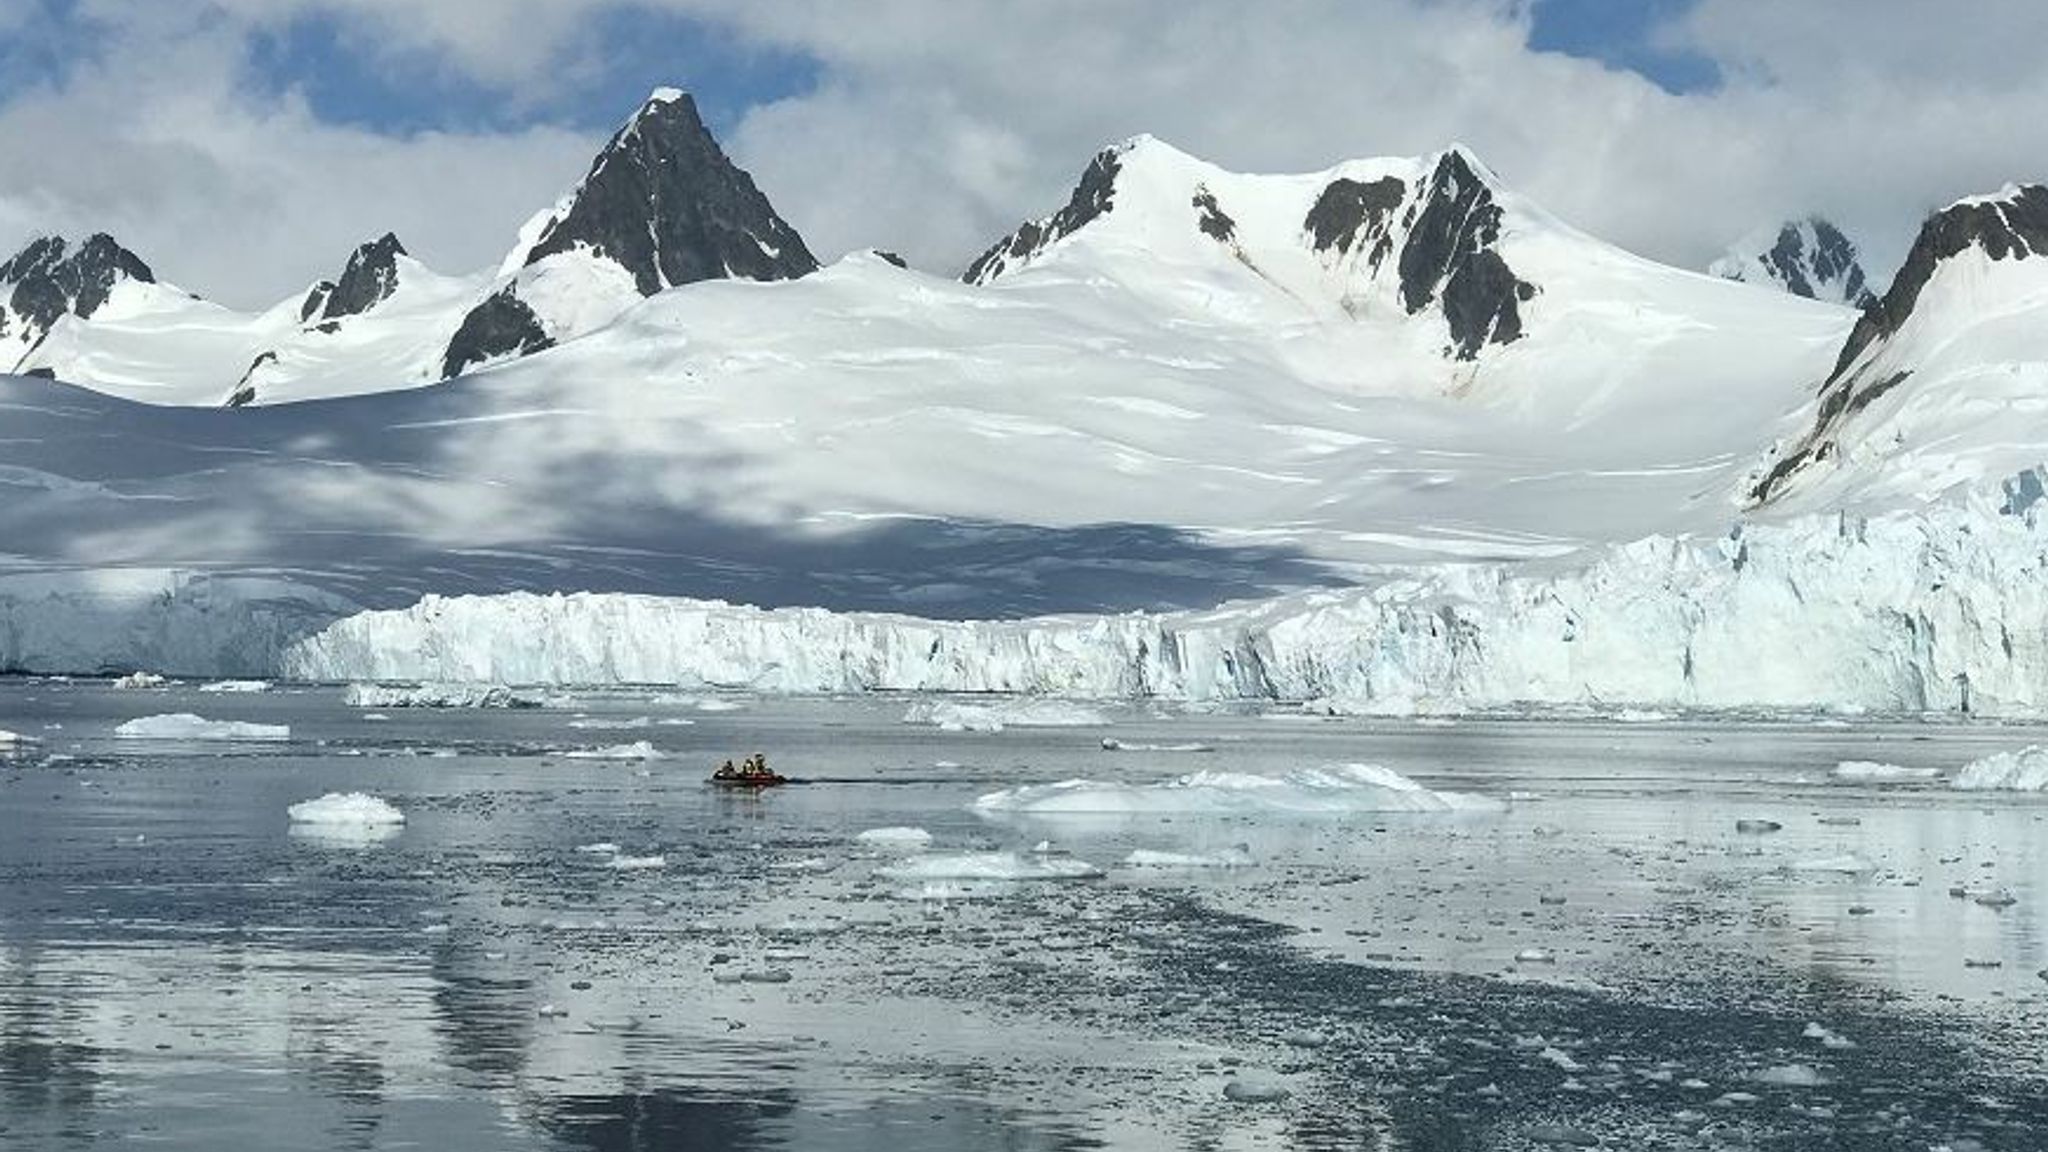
{"x": 661, "y": 202}
{"x": 1434, "y": 222}
{"x": 1810, "y": 258}
{"x": 665, "y": 203}
{"x": 369, "y": 279}
{"x": 48, "y": 280}
{"x": 2010, "y": 225}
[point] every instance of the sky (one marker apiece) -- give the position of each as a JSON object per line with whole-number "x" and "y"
{"x": 243, "y": 147}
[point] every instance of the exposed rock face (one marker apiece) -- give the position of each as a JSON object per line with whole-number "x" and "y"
{"x": 1350, "y": 209}
{"x": 665, "y": 203}
{"x": 1810, "y": 258}
{"x": 369, "y": 279}
{"x": 46, "y": 281}
{"x": 503, "y": 325}
{"x": 1215, "y": 223}
{"x": 1445, "y": 231}
{"x": 1450, "y": 255}
{"x": 1094, "y": 196}
{"x": 2013, "y": 225}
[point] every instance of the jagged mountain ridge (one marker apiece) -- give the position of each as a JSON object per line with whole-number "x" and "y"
{"x": 1809, "y": 257}
{"x": 1963, "y": 307}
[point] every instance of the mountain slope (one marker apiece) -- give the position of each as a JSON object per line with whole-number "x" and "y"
{"x": 1939, "y": 382}
{"x": 1810, "y": 258}
{"x": 46, "y": 281}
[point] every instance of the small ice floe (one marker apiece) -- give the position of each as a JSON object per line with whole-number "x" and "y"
{"x": 638, "y": 750}
{"x": 236, "y": 687}
{"x": 137, "y": 680}
{"x": 602, "y": 848}
{"x": 1995, "y": 898}
{"x": 700, "y": 703}
{"x": 1641, "y": 716}
{"x": 1003, "y": 866}
{"x": 611, "y": 723}
{"x": 895, "y": 839}
{"x": 624, "y": 863}
{"x": 1845, "y": 865}
{"x": 345, "y": 819}
{"x": 1111, "y": 744}
{"x": 1330, "y": 790}
{"x": 1874, "y": 772}
{"x": 951, "y": 716}
{"x": 1535, "y": 956}
{"x": 1238, "y": 856}
{"x": 14, "y": 739}
{"x": 2022, "y": 771}
{"x": 1758, "y": 827}
{"x": 1559, "y": 1057}
{"x": 436, "y": 695}
{"x": 1254, "y": 1087}
{"x": 186, "y": 726}
{"x": 1828, "y": 1038}
{"x": 1790, "y": 1076}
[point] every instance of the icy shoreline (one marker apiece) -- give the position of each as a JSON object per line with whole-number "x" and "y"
{"x": 1944, "y": 610}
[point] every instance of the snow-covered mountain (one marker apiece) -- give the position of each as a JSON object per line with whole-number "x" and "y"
{"x": 1942, "y": 382}
{"x": 48, "y": 281}
{"x": 662, "y": 206}
{"x": 1810, "y": 258}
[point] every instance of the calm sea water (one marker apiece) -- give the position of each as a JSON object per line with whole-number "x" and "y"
{"x": 563, "y": 953}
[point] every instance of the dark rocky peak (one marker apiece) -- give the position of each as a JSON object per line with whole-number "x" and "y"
{"x": 1810, "y": 258}
{"x": 503, "y": 325}
{"x": 47, "y": 279}
{"x": 369, "y": 279}
{"x": 1449, "y": 256}
{"x": 664, "y": 202}
{"x": 1094, "y": 196}
{"x": 2012, "y": 225}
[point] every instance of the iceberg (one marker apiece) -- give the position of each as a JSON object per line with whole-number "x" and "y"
{"x": 989, "y": 866}
{"x": 1871, "y": 771}
{"x": 955, "y": 717}
{"x": 346, "y": 809}
{"x": 186, "y": 726}
{"x": 638, "y": 750}
{"x": 2022, "y": 771}
{"x": 895, "y": 839}
{"x": 1332, "y": 790}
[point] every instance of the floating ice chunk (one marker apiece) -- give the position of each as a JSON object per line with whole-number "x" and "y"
{"x": 1535, "y": 956}
{"x": 1329, "y": 790}
{"x": 896, "y": 839}
{"x": 346, "y": 809}
{"x": 1110, "y": 744}
{"x": 1641, "y": 716}
{"x": 1827, "y": 1037}
{"x": 2022, "y": 771}
{"x": 1561, "y": 1058}
{"x": 141, "y": 680}
{"x": 186, "y": 726}
{"x": 238, "y": 687}
{"x": 952, "y": 716}
{"x": 700, "y": 703}
{"x": 638, "y": 750}
{"x": 611, "y": 723}
{"x": 989, "y": 866}
{"x": 624, "y": 863}
{"x": 1847, "y": 865}
{"x": 10, "y": 739}
{"x": 1871, "y": 770}
{"x": 1237, "y": 857}
{"x": 435, "y": 695}
{"x": 602, "y": 848}
{"x": 1791, "y": 1076}
{"x": 1250, "y": 1087}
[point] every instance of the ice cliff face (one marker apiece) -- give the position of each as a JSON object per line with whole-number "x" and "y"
{"x": 662, "y": 206}
{"x": 1946, "y": 611}
{"x": 1810, "y": 258}
{"x": 1964, "y": 308}
{"x": 1428, "y": 229}
{"x": 48, "y": 280}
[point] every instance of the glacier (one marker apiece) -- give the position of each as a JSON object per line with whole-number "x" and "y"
{"x": 1942, "y": 610}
